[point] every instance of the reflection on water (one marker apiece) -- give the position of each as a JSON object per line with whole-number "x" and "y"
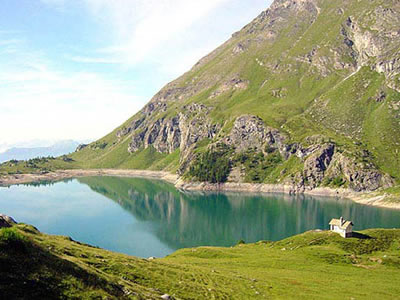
{"x": 152, "y": 218}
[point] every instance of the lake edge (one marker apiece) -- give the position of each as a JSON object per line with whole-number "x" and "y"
{"x": 366, "y": 198}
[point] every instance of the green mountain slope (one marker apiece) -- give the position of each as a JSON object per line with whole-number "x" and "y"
{"x": 315, "y": 264}
{"x": 308, "y": 95}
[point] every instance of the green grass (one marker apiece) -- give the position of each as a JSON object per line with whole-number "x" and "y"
{"x": 258, "y": 166}
{"x": 168, "y": 163}
{"x": 312, "y": 265}
{"x": 286, "y": 169}
{"x": 41, "y": 165}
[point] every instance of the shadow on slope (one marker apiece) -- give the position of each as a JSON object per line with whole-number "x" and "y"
{"x": 28, "y": 271}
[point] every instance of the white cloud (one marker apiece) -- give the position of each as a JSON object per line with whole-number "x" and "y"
{"x": 39, "y": 102}
{"x": 142, "y": 27}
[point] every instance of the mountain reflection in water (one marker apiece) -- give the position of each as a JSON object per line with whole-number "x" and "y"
{"x": 188, "y": 219}
{"x": 145, "y": 218}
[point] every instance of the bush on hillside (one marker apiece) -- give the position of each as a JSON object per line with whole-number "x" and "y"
{"x": 12, "y": 238}
{"x": 257, "y": 165}
{"x": 213, "y": 166}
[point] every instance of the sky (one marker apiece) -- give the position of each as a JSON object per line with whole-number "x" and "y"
{"x": 77, "y": 69}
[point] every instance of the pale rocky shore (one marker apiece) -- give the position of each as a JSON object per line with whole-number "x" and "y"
{"x": 372, "y": 198}
{"x": 365, "y": 198}
{"x": 9, "y": 180}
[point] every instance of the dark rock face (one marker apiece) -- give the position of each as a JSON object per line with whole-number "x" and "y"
{"x": 6, "y": 221}
{"x": 250, "y": 132}
{"x": 317, "y": 163}
{"x": 137, "y": 141}
{"x": 81, "y": 147}
{"x": 127, "y": 130}
{"x": 375, "y": 48}
{"x": 247, "y": 132}
{"x": 361, "y": 177}
{"x": 324, "y": 162}
{"x": 165, "y": 137}
{"x": 180, "y": 132}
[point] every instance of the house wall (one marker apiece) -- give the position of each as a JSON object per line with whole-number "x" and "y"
{"x": 337, "y": 229}
{"x": 349, "y": 231}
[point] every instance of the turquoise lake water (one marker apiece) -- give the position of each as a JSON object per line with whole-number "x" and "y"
{"x": 145, "y": 218}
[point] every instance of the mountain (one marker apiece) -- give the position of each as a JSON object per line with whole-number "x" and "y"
{"x": 306, "y": 95}
{"x": 21, "y": 153}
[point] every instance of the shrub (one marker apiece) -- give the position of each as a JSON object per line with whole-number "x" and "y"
{"x": 257, "y": 165}
{"x": 338, "y": 181}
{"x": 67, "y": 158}
{"x": 213, "y": 166}
{"x": 334, "y": 182}
{"x": 269, "y": 149}
{"x": 12, "y": 238}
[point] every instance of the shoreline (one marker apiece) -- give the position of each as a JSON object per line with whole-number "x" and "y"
{"x": 370, "y": 199}
{"x": 15, "y": 179}
{"x": 366, "y": 198}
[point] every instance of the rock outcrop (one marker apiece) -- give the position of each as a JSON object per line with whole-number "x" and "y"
{"x": 320, "y": 159}
{"x": 375, "y": 47}
{"x": 360, "y": 176}
{"x": 250, "y": 132}
{"x": 6, "y": 221}
{"x": 179, "y": 132}
{"x": 316, "y": 165}
{"x": 81, "y": 147}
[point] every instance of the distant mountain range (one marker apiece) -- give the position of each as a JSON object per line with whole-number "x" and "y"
{"x": 24, "y": 153}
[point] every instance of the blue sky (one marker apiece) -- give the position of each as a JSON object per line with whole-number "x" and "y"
{"x": 76, "y": 69}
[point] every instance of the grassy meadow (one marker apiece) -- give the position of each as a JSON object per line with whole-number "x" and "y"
{"x": 312, "y": 265}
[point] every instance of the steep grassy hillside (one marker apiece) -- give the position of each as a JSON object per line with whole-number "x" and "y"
{"x": 314, "y": 72}
{"x": 312, "y": 265}
{"x": 308, "y": 94}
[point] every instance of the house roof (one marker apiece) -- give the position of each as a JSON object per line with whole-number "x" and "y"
{"x": 336, "y": 222}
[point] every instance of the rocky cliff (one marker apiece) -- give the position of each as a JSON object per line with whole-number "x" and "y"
{"x": 308, "y": 94}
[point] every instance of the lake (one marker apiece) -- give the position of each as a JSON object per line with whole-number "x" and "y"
{"x": 145, "y": 218}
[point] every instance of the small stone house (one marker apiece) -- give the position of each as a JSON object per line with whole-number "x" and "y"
{"x": 341, "y": 226}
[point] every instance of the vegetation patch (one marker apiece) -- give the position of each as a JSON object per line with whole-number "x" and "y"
{"x": 13, "y": 239}
{"x": 214, "y": 165}
{"x": 257, "y": 165}
{"x": 335, "y": 182}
